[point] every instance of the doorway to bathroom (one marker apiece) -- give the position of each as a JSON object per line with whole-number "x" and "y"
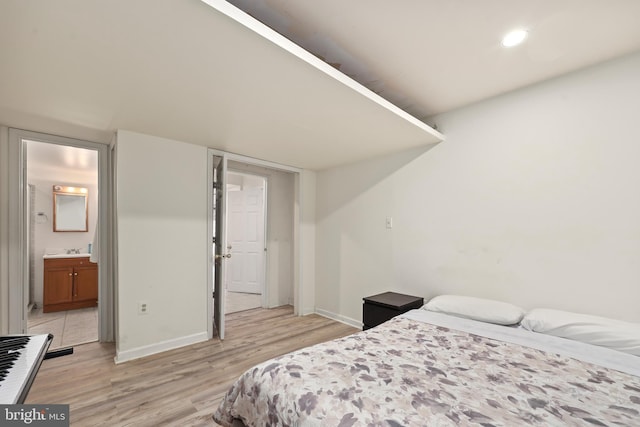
{"x": 61, "y": 219}
{"x": 51, "y": 205}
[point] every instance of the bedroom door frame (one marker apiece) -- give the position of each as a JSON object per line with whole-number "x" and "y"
{"x": 18, "y": 256}
{"x": 297, "y": 241}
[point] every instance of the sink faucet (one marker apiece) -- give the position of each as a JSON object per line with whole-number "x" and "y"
{"x": 73, "y": 251}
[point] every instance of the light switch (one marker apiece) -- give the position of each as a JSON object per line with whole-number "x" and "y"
{"x": 389, "y": 222}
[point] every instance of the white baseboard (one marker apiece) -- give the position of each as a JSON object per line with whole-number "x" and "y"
{"x": 148, "y": 350}
{"x": 340, "y": 318}
{"x": 307, "y": 310}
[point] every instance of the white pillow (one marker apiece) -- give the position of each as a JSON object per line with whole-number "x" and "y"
{"x": 484, "y": 310}
{"x": 611, "y": 333}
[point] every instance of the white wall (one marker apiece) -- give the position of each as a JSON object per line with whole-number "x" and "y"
{"x": 307, "y": 230}
{"x": 162, "y": 243}
{"x": 532, "y": 199}
{"x": 280, "y": 193}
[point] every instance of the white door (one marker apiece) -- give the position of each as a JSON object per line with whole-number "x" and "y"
{"x": 245, "y": 235}
{"x": 220, "y": 255}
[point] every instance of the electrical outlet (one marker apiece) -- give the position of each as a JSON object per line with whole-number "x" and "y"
{"x": 143, "y": 307}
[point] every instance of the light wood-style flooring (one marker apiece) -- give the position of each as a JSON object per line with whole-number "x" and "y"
{"x": 181, "y": 387}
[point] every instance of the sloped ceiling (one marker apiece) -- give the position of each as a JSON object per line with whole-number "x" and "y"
{"x": 206, "y": 73}
{"x": 187, "y": 71}
{"x": 432, "y": 56}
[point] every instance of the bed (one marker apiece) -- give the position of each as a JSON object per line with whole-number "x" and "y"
{"x": 430, "y": 368}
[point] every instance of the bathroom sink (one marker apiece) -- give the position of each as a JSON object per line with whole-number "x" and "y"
{"x": 67, "y": 256}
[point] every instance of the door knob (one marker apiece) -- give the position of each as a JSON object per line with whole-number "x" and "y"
{"x": 223, "y": 256}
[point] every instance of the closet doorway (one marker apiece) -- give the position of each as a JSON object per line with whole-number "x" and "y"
{"x": 254, "y": 219}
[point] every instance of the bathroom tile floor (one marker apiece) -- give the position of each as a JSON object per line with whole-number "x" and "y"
{"x": 69, "y": 328}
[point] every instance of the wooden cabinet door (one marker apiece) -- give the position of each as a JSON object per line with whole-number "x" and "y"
{"x": 58, "y": 285}
{"x": 69, "y": 283}
{"x": 86, "y": 283}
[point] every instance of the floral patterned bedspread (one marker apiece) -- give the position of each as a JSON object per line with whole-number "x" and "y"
{"x": 408, "y": 373}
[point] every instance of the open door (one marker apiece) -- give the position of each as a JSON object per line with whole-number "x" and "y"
{"x": 219, "y": 239}
{"x": 219, "y": 200}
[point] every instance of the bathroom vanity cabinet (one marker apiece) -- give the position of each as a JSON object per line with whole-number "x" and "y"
{"x": 70, "y": 283}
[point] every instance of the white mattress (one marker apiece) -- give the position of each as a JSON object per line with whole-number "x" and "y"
{"x": 601, "y": 356}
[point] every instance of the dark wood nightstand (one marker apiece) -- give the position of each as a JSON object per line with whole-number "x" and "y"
{"x": 377, "y": 309}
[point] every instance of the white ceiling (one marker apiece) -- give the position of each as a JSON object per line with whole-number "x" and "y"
{"x": 431, "y": 56}
{"x": 199, "y": 74}
{"x": 76, "y": 165}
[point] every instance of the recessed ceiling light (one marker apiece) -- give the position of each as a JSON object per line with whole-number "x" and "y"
{"x": 514, "y": 38}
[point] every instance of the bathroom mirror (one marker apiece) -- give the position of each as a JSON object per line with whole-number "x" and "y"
{"x": 70, "y": 208}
